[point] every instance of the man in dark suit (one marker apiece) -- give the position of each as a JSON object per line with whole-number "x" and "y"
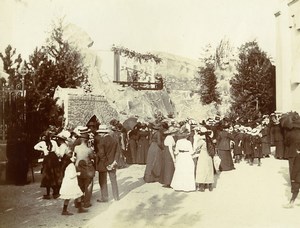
{"x": 106, "y": 150}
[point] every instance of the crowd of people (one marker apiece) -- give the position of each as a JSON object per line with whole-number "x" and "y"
{"x": 182, "y": 155}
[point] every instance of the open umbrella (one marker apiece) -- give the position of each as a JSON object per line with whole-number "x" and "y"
{"x": 130, "y": 123}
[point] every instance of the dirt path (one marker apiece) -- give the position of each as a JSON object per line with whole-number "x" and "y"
{"x": 250, "y": 197}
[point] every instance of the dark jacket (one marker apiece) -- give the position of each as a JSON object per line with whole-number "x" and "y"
{"x": 292, "y": 141}
{"x": 223, "y": 141}
{"x": 106, "y": 150}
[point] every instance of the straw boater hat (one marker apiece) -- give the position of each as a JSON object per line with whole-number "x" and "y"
{"x": 64, "y": 135}
{"x": 171, "y": 130}
{"x": 81, "y": 130}
{"x": 84, "y": 132}
{"x": 103, "y": 129}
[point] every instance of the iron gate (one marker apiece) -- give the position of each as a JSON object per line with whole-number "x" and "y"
{"x": 12, "y": 125}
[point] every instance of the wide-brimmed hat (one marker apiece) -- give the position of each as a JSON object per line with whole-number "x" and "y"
{"x": 64, "y": 135}
{"x": 203, "y": 129}
{"x": 183, "y": 132}
{"x": 103, "y": 129}
{"x": 171, "y": 130}
{"x": 81, "y": 130}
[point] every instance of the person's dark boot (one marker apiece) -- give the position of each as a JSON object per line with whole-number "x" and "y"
{"x": 77, "y": 204}
{"x": 65, "y": 211}
{"x": 81, "y": 209}
{"x": 46, "y": 197}
{"x": 201, "y": 188}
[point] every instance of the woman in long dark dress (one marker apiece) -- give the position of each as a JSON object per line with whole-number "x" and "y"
{"x": 153, "y": 164}
{"x": 224, "y": 150}
{"x": 132, "y": 146}
{"x": 169, "y": 157}
{"x": 142, "y": 144}
{"x": 256, "y": 145}
{"x": 51, "y": 169}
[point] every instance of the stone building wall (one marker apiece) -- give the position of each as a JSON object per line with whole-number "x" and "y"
{"x": 287, "y": 56}
{"x": 82, "y": 107}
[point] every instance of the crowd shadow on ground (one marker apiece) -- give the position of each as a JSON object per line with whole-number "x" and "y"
{"x": 159, "y": 211}
{"x": 125, "y": 186}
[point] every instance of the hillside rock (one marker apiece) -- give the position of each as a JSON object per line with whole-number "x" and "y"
{"x": 176, "y": 98}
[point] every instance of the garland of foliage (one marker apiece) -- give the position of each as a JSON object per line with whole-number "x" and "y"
{"x": 135, "y": 55}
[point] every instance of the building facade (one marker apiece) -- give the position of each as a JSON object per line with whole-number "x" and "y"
{"x": 288, "y": 56}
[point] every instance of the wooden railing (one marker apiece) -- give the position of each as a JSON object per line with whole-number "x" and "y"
{"x": 142, "y": 85}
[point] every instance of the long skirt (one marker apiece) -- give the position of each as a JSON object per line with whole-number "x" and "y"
{"x": 153, "y": 165}
{"x": 279, "y": 149}
{"x": 204, "y": 169}
{"x": 226, "y": 160}
{"x": 142, "y": 149}
{"x": 266, "y": 148}
{"x": 184, "y": 176}
{"x": 168, "y": 167}
{"x": 51, "y": 171}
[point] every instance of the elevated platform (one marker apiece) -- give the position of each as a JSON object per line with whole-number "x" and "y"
{"x": 141, "y": 85}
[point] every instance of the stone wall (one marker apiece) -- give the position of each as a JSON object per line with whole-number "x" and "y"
{"x": 82, "y": 107}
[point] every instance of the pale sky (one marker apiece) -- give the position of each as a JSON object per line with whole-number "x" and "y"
{"x": 180, "y": 27}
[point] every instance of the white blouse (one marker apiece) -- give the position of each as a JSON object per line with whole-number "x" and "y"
{"x": 184, "y": 146}
{"x": 41, "y": 146}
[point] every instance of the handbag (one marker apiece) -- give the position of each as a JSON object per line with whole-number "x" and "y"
{"x": 86, "y": 170}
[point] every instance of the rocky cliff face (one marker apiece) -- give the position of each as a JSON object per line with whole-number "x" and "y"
{"x": 176, "y": 98}
{"x": 178, "y": 72}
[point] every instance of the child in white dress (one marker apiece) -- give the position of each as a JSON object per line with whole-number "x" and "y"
{"x": 70, "y": 188}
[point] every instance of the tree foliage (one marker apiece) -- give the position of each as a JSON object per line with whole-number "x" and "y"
{"x": 253, "y": 87}
{"x": 10, "y": 65}
{"x": 55, "y": 64}
{"x": 208, "y": 80}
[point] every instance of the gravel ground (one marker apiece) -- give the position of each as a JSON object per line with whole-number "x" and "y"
{"x": 248, "y": 197}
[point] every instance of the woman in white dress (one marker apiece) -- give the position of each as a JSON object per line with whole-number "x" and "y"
{"x": 184, "y": 176}
{"x": 70, "y": 188}
{"x": 205, "y": 168}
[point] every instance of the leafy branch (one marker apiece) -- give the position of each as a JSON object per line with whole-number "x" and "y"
{"x": 135, "y": 55}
